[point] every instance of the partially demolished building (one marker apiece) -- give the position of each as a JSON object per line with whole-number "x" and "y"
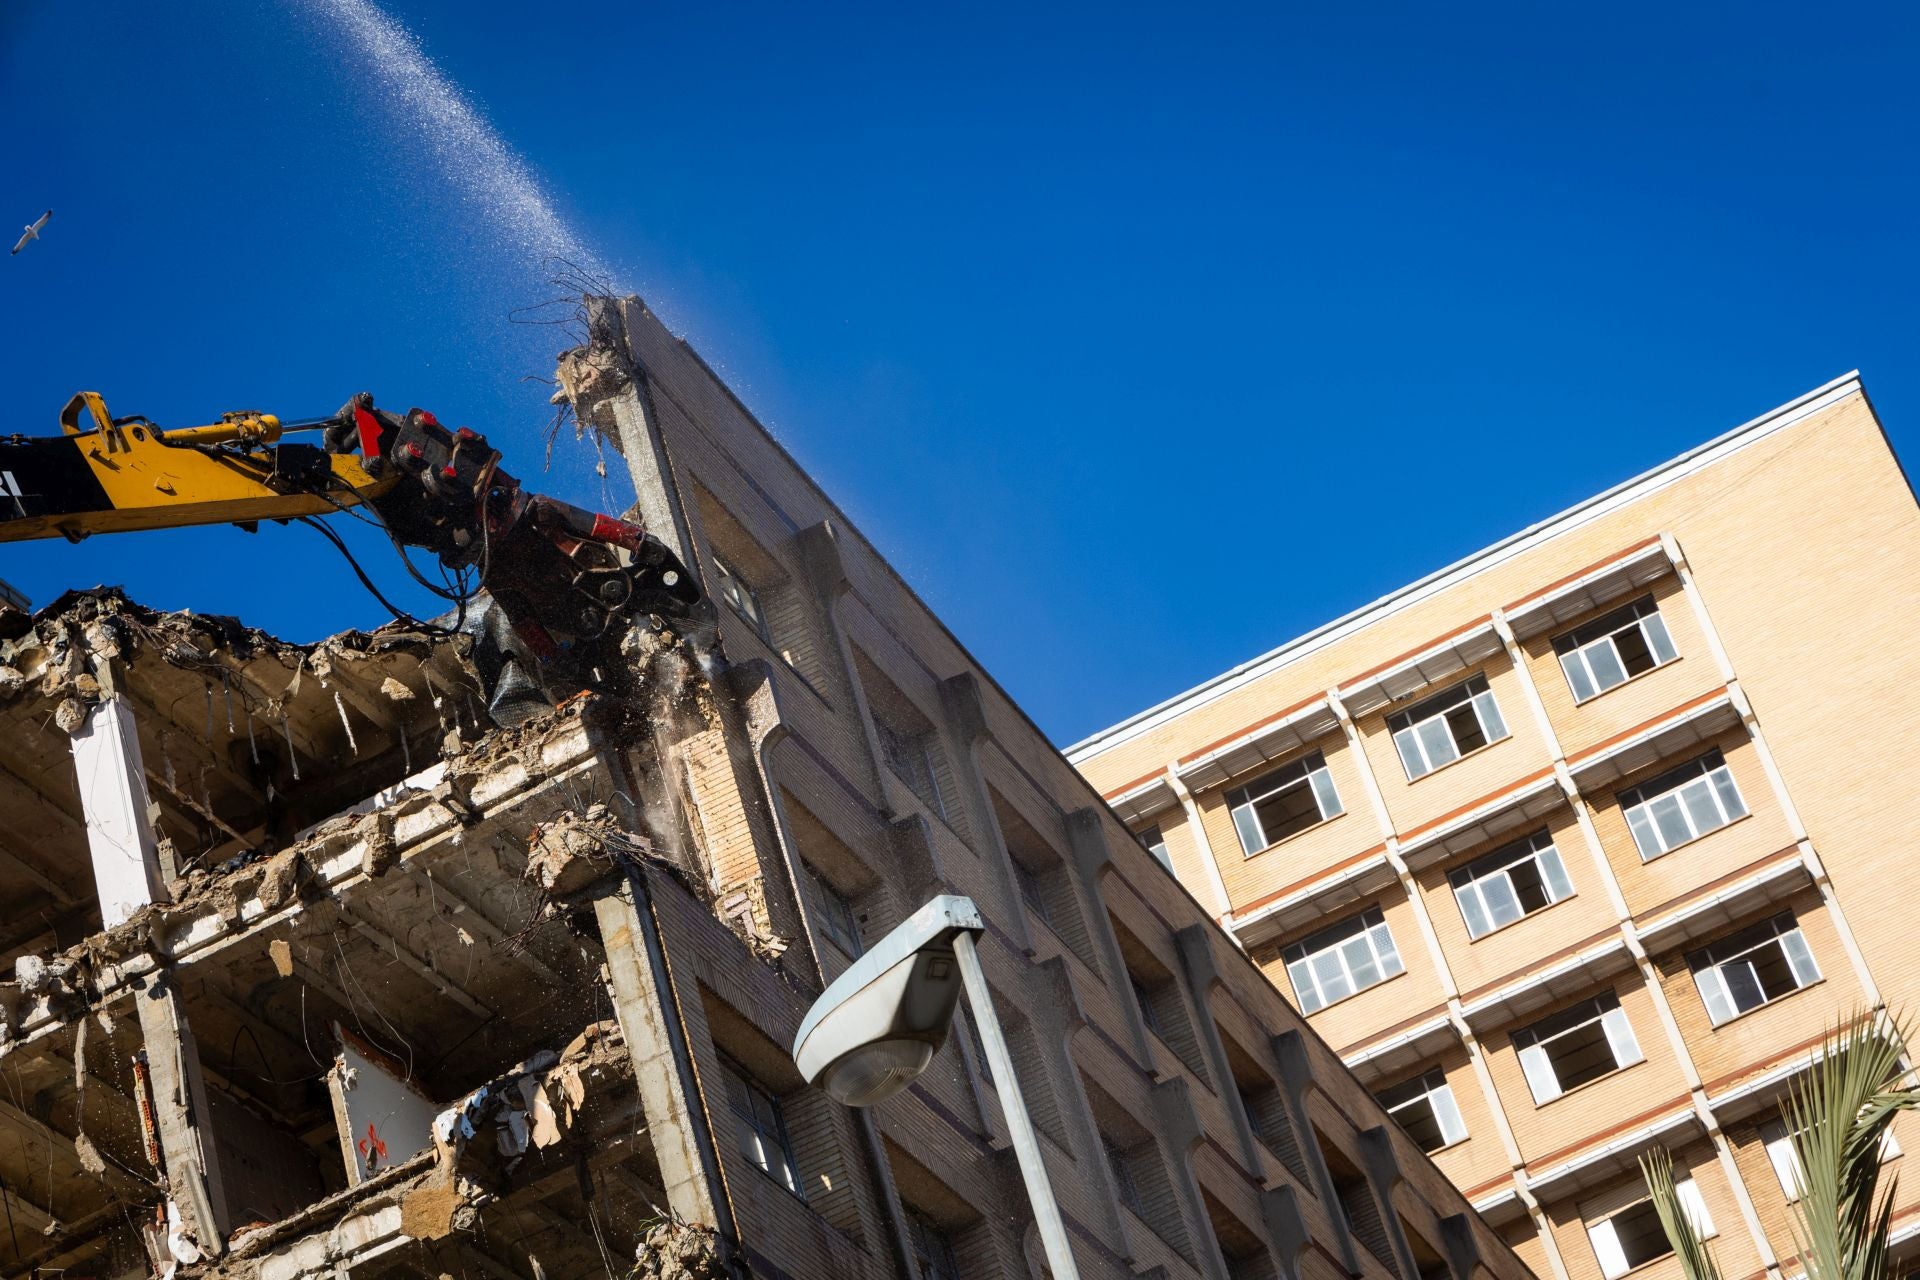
{"x": 315, "y": 971}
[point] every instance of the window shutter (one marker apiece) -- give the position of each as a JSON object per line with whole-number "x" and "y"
{"x": 1555, "y": 873}
{"x": 1247, "y": 823}
{"x": 1409, "y": 753}
{"x": 1626, "y": 1050}
{"x": 1786, "y": 1165}
{"x": 1713, "y": 992}
{"x": 1606, "y": 1247}
{"x": 1540, "y": 1077}
{"x": 1468, "y": 897}
{"x": 1688, "y": 1192}
{"x": 1654, "y": 627}
{"x": 1324, "y": 792}
{"x": 1447, "y": 1112}
{"x": 1490, "y": 716}
{"x": 1576, "y": 668}
{"x": 1644, "y": 835}
{"x": 1729, "y": 794}
{"x": 1794, "y": 943}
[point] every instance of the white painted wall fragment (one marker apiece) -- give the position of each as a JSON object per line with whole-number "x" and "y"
{"x": 382, "y": 1120}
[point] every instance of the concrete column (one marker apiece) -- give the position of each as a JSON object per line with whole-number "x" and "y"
{"x": 1296, "y": 1078}
{"x": 1200, "y": 972}
{"x": 643, "y": 1004}
{"x": 825, "y": 574}
{"x": 126, "y": 865}
{"x": 1383, "y": 1175}
{"x": 966, "y": 729}
{"x": 1091, "y": 855}
{"x": 1222, "y": 901}
{"x": 1457, "y": 1243}
{"x": 626, "y": 413}
{"x": 1287, "y": 1232}
{"x": 113, "y": 798}
{"x": 1177, "y": 1126}
{"x": 181, "y": 1113}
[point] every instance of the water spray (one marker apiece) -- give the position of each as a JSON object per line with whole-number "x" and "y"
{"x": 471, "y": 154}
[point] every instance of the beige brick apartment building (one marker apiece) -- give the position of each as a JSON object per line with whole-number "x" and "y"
{"x": 315, "y": 973}
{"x": 1576, "y": 846}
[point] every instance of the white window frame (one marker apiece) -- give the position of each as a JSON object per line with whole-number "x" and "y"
{"x": 739, "y": 594}
{"x": 1484, "y": 889}
{"x": 1710, "y": 962}
{"x": 1605, "y": 1239}
{"x": 1432, "y": 1090}
{"x": 1423, "y": 733}
{"x": 1321, "y": 963}
{"x": 1309, "y": 770}
{"x": 1785, "y": 1157}
{"x": 1154, "y": 841}
{"x": 1590, "y": 655}
{"x": 761, "y": 1128}
{"x": 1537, "y": 1064}
{"x": 1682, "y": 804}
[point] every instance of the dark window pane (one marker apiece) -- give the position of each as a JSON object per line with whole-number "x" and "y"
{"x": 1421, "y": 1124}
{"x": 1775, "y": 975}
{"x": 1528, "y": 886}
{"x": 1467, "y": 733}
{"x": 1283, "y": 814}
{"x": 1580, "y": 1056}
{"x": 1641, "y": 1237}
{"x": 1634, "y": 654}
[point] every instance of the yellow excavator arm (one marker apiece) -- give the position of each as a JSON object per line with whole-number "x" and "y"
{"x": 107, "y": 476}
{"x": 568, "y": 582}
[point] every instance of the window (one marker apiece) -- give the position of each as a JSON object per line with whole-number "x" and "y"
{"x": 1612, "y": 650}
{"x": 735, "y": 591}
{"x": 1031, "y": 888}
{"x": 1148, "y": 1014}
{"x": 1362, "y": 1212}
{"x": 1513, "y": 881}
{"x": 1753, "y": 967}
{"x": 837, "y": 918}
{"x": 1283, "y": 803}
{"x": 932, "y": 1250}
{"x": 1569, "y": 1048}
{"x": 760, "y": 1127}
{"x": 1786, "y": 1159}
{"x": 1156, "y": 844}
{"x": 1123, "y": 1180}
{"x": 910, "y": 756}
{"x": 1633, "y": 1237}
{"x": 1425, "y": 1108}
{"x": 1335, "y": 963}
{"x": 1446, "y": 726}
{"x": 1682, "y": 804}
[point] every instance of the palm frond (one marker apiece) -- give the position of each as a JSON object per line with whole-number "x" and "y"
{"x": 1696, "y": 1263}
{"x": 1839, "y": 1113}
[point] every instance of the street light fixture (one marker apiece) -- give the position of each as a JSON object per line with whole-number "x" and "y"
{"x": 880, "y": 1023}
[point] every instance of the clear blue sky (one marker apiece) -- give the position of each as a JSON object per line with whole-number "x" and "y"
{"x": 1141, "y": 339}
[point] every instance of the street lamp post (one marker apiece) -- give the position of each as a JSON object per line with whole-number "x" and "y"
{"x": 880, "y": 1023}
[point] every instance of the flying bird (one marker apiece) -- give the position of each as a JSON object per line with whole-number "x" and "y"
{"x": 33, "y": 230}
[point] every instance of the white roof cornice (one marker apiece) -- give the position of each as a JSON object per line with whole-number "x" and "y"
{"x": 1593, "y": 508}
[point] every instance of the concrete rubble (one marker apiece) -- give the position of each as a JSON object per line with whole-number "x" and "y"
{"x": 356, "y": 882}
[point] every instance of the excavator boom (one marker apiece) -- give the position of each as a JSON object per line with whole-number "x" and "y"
{"x": 568, "y": 582}
{"x": 103, "y": 476}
